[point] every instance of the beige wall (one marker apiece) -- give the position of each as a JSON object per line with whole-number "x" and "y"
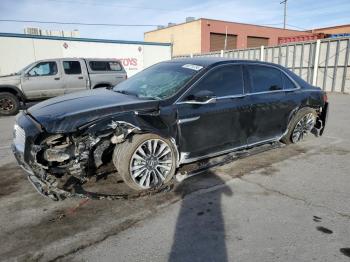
{"x": 186, "y": 39}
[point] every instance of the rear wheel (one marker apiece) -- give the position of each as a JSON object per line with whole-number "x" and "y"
{"x": 145, "y": 162}
{"x": 300, "y": 125}
{"x": 9, "y": 104}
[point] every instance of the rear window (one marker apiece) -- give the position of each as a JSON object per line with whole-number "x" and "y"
{"x": 105, "y": 66}
{"x": 287, "y": 83}
{"x": 264, "y": 79}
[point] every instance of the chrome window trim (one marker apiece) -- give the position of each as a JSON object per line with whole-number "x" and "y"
{"x": 186, "y": 120}
{"x": 204, "y": 75}
{"x": 297, "y": 86}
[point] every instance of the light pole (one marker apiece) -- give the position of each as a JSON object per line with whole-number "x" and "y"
{"x": 285, "y": 13}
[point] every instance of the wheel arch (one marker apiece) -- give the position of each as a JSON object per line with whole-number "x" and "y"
{"x": 13, "y": 90}
{"x": 131, "y": 124}
{"x": 103, "y": 84}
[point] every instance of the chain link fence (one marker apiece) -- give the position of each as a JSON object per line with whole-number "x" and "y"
{"x": 324, "y": 63}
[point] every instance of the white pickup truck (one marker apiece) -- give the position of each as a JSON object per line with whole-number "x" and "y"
{"x": 54, "y": 77}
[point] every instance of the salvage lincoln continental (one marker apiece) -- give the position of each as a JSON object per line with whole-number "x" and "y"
{"x": 172, "y": 113}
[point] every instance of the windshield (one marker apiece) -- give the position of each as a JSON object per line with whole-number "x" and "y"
{"x": 159, "y": 81}
{"x": 24, "y": 69}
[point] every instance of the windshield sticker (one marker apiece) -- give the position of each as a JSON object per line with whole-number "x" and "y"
{"x": 193, "y": 67}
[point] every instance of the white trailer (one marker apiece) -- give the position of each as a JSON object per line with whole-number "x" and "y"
{"x": 19, "y": 50}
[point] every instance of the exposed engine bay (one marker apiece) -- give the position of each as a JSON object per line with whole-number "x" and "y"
{"x": 64, "y": 161}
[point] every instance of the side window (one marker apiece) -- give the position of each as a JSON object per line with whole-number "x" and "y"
{"x": 72, "y": 67}
{"x": 98, "y": 65}
{"x": 263, "y": 78}
{"x": 223, "y": 81}
{"x": 115, "y": 66}
{"x": 44, "y": 69}
{"x": 287, "y": 83}
{"x": 105, "y": 66}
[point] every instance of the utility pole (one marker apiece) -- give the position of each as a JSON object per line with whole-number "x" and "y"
{"x": 285, "y": 13}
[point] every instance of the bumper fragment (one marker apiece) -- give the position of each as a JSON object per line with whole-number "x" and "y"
{"x": 43, "y": 187}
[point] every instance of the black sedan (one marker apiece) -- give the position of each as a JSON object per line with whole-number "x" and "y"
{"x": 170, "y": 114}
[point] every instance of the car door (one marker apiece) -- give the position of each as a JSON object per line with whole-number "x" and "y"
{"x": 75, "y": 76}
{"x": 43, "y": 80}
{"x": 217, "y": 123}
{"x": 270, "y": 103}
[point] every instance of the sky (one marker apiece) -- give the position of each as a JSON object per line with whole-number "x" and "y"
{"x": 302, "y": 14}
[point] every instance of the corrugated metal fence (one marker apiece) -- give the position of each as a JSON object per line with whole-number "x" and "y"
{"x": 331, "y": 57}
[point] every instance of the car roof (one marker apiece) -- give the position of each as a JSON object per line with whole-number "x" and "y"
{"x": 209, "y": 61}
{"x": 79, "y": 58}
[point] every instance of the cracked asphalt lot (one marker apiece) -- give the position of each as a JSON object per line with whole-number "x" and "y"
{"x": 286, "y": 204}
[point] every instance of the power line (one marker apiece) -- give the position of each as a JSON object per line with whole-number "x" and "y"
{"x": 109, "y": 5}
{"x": 74, "y": 23}
{"x": 298, "y": 27}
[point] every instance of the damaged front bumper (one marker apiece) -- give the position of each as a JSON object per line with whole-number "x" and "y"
{"x": 42, "y": 186}
{"x": 57, "y": 165}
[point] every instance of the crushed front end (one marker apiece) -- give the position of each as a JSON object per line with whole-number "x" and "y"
{"x": 54, "y": 163}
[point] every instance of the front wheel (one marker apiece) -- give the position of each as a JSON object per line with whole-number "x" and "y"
{"x": 145, "y": 162}
{"x": 300, "y": 125}
{"x": 9, "y": 104}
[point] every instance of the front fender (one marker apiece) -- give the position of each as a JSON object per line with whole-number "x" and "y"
{"x": 144, "y": 123}
{"x": 7, "y": 88}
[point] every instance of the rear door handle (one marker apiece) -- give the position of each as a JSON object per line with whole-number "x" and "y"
{"x": 80, "y": 77}
{"x": 57, "y": 78}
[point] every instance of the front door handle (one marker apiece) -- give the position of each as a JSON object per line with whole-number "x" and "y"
{"x": 80, "y": 77}
{"x": 57, "y": 78}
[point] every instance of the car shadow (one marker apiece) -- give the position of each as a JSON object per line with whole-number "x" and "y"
{"x": 200, "y": 230}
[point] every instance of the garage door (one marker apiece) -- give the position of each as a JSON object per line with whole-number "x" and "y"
{"x": 253, "y": 41}
{"x": 217, "y": 42}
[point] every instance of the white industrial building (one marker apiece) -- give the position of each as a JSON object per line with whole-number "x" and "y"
{"x": 19, "y": 50}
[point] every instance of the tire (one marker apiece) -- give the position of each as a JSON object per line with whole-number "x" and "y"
{"x": 9, "y": 104}
{"x": 146, "y": 174}
{"x": 304, "y": 114}
{"x": 103, "y": 86}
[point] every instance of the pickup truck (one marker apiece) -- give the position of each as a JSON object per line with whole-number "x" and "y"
{"x": 54, "y": 77}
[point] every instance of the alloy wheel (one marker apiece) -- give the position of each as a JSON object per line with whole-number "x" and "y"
{"x": 303, "y": 127}
{"x": 151, "y": 163}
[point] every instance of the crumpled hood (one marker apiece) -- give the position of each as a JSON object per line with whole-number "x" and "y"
{"x": 67, "y": 113}
{"x": 10, "y": 80}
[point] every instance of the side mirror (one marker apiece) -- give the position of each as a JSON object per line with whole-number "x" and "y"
{"x": 202, "y": 97}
